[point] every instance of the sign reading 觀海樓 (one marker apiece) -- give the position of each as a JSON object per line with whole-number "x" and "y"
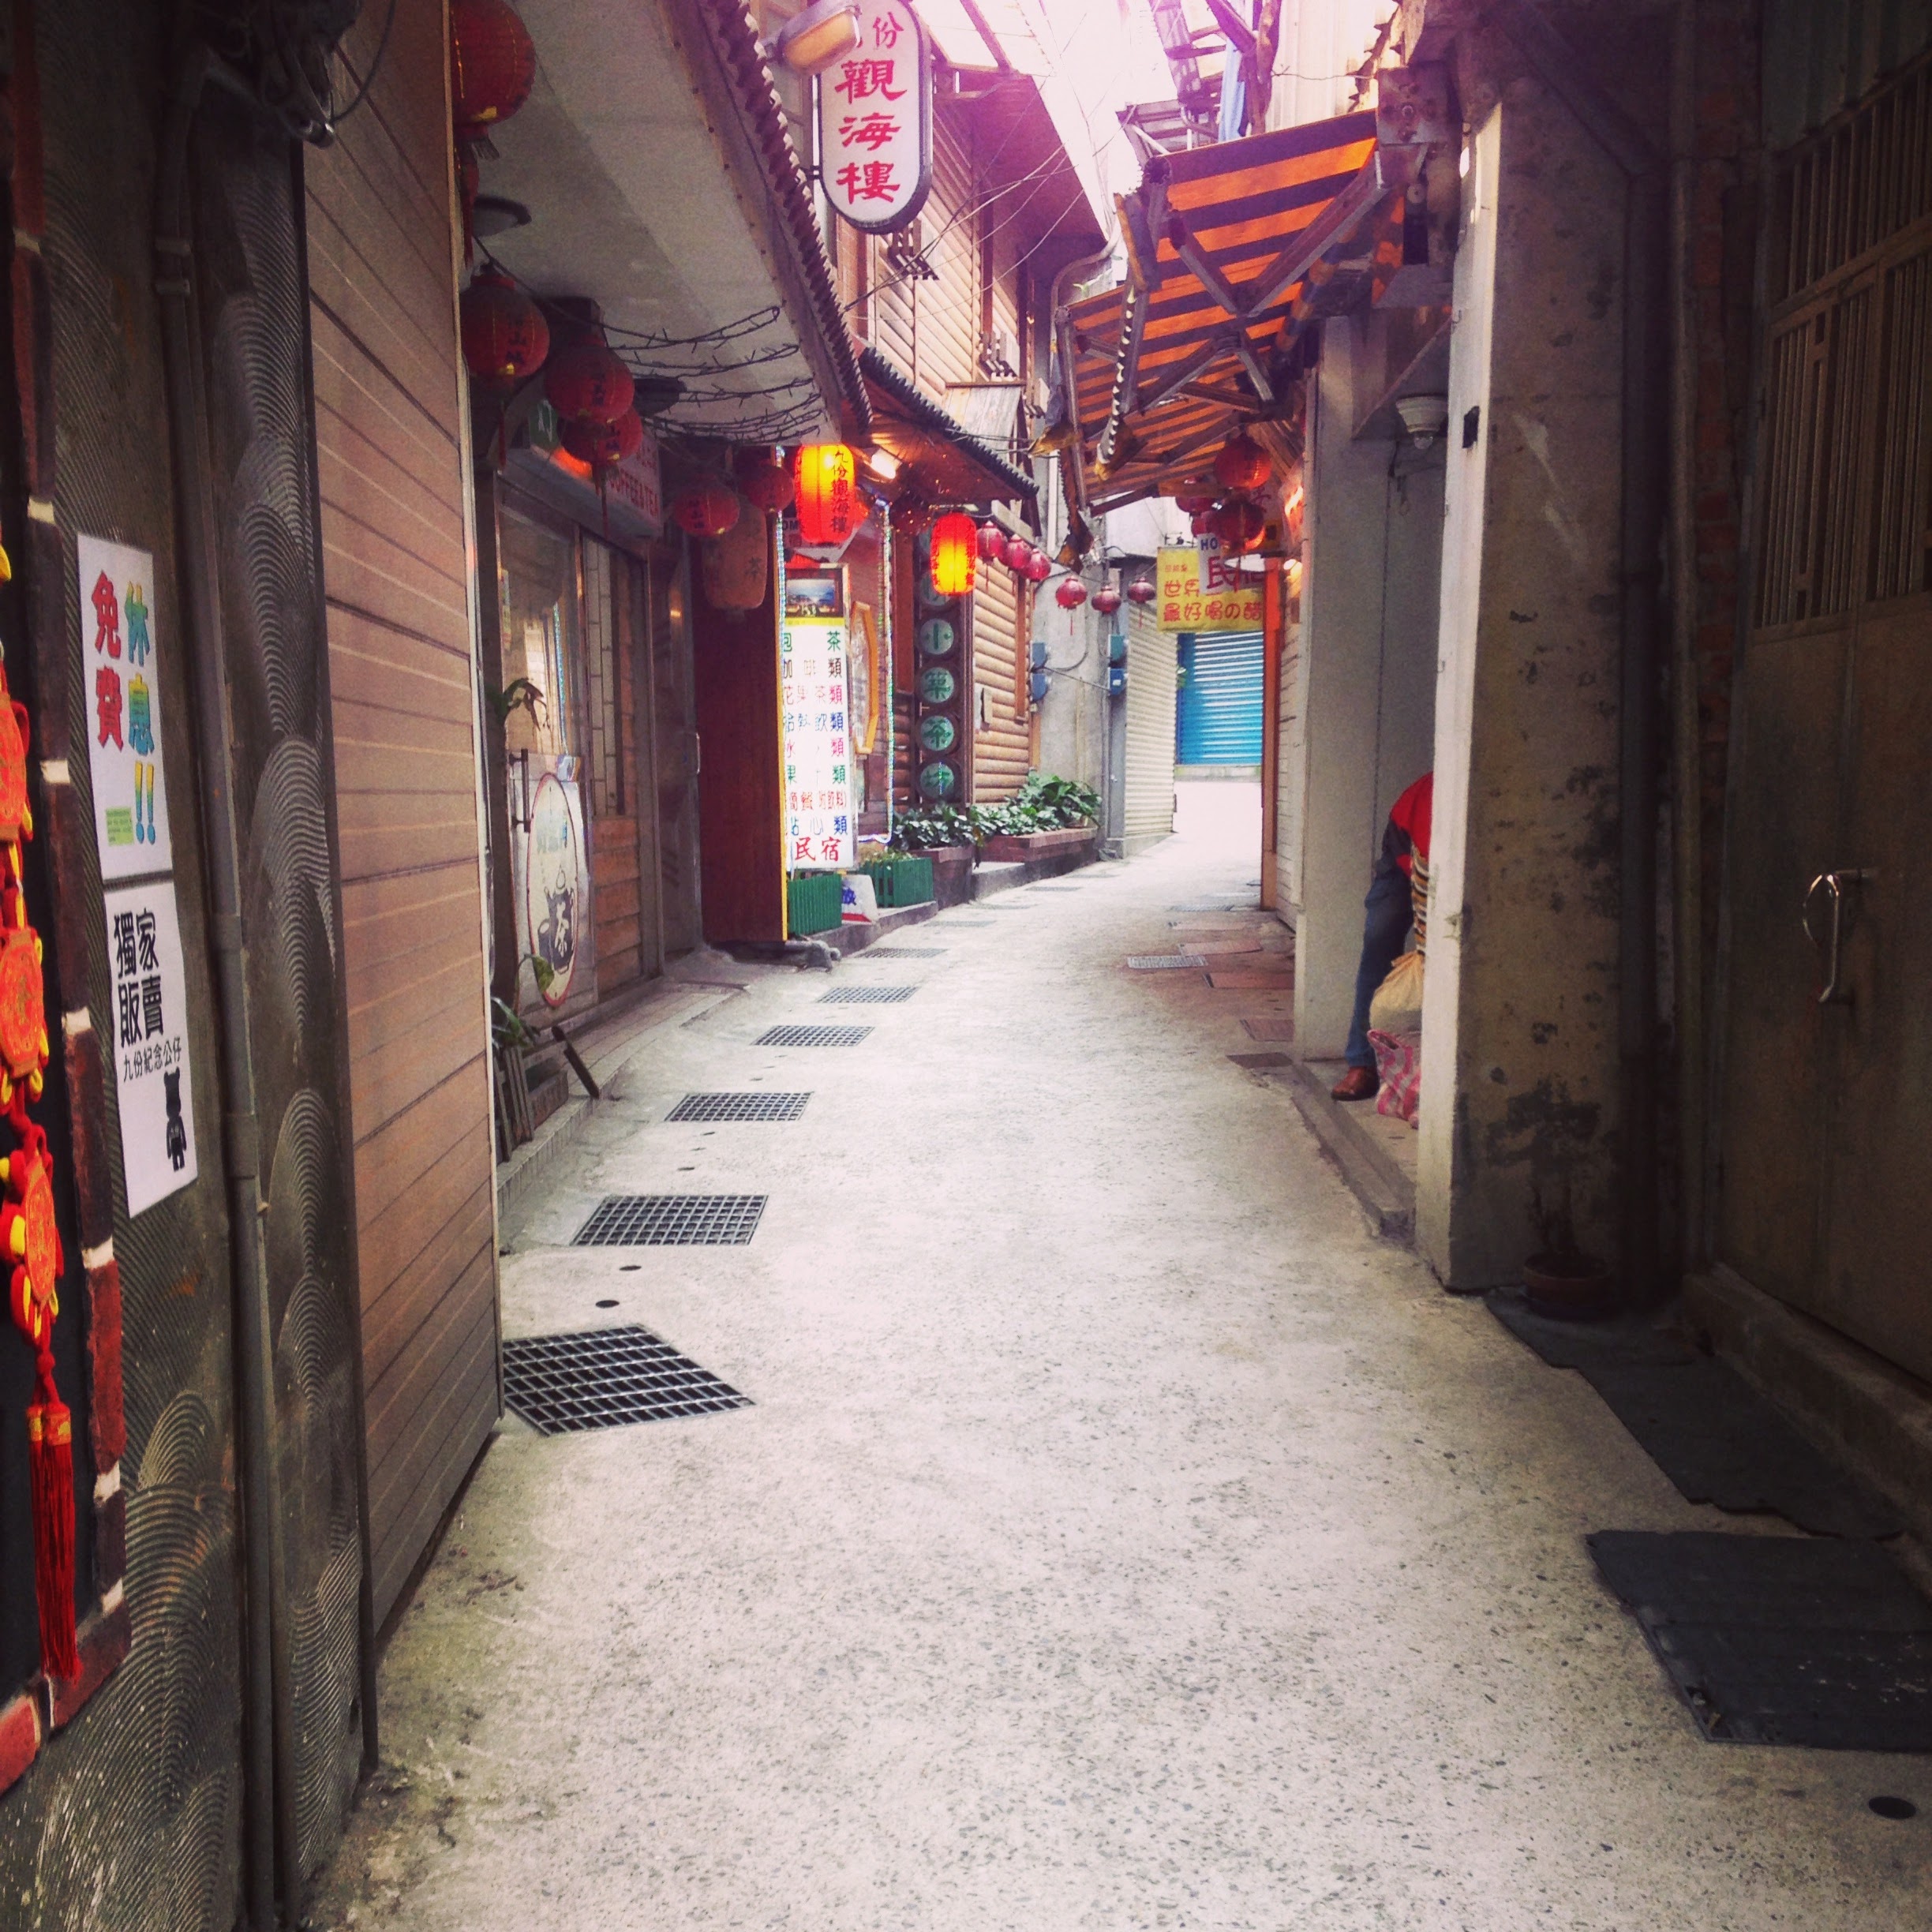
{"x": 814, "y": 692}
{"x": 1198, "y": 589}
{"x": 120, "y": 642}
{"x": 875, "y": 120}
{"x": 147, "y": 1025}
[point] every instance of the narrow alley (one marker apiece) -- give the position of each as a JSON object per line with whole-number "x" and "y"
{"x": 1118, "y": 1535}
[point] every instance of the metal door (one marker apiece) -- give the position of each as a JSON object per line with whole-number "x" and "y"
{"x": 1218, "y": 710}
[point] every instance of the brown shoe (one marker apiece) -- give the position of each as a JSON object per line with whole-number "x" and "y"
{"x": 1357, "y": 1083}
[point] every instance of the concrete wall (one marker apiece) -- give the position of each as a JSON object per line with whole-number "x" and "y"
{"x": 1519, "y": 1059}
{"x": 1364, "y": 679}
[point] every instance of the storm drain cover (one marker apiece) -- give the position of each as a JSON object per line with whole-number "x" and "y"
{"x": 969, "y": 925}
{"x": 1056, "y": 889}
{"x": 812, "y": 1036}
{"x": 886, "y": 952}
{"x": 605, "y": 1378}
{"x": 740, "y": 1106}
{"x": 866, "y": 996}
{"x": 672, "y": 1221}
{"x": 1163, "y": 962}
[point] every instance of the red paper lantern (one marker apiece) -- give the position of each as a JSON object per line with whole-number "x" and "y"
{"x": 1018, "y": 554}
{"x": 492, "y": 64}
{"x": 1192, "y": 502}
{"x": 1141, "y": 590}
{"x": 1071, "y": 594}
{"x": 707, "y": 510}
{"x": 1238, "y": 523}
{"x": 505, "y": 338}
{"x": 1039, "y": 566}
{"x": 955, "y": 549}
{"x": 1242, "y": 464}
{"x": 829, "y": 508}
{"x": 1106, "y": 600}
{"x": 587, "y": 380}
{"x": 767, "y": 483}
{"x": 992, "y": 544}
{"x": 603, "y": 445}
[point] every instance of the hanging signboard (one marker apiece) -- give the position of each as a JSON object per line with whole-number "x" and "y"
{"x": 1198, "y": 589}
{"x": 556, "y": 884}
{"x": 120, "y": 641}
{"x": 149, "y": 1015}
{"x": 814, "y": 694}
{"x": 875, "y": 120}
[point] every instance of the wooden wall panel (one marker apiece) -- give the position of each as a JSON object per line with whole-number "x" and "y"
{"x": 948, "y": 306}
{"x": 1151, "y": 665}
{"x": 387, "y": 403}
{"x": 1002, "y": 747}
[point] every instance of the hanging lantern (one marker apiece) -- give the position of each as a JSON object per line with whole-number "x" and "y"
{"x": 587, "y": 380}
{"x": 1242, "y": 464}
{"x": 505, "y": 338}
{"x": 1202, "y": 521}
{"x": 1192, "y": 501}
{"x": 766, "y": 483}
{"x": 1106, "y": 600}
{"x": 1238, "y": 523}
{"x": 707, "y": 509}
{"x": 1071, "y": 594}
{"x": 828, "y": 505}
{"x": 1038, "y": 566}
{"x": 1141, "y": 590}
{"x": 1018, "y": 554}
{"x": 602, "y": 445}
{"x": 493, "y": 64}
{"x": 992, "y": 544}
{"x": 955, "y": 545}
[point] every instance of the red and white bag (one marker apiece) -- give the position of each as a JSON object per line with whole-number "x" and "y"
{"x": 1398, "y": 1065}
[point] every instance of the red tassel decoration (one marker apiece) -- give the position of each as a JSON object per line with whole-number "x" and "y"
{"x": 50, "y": 1434}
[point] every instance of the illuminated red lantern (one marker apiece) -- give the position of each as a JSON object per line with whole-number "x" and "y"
{"x": 587, "y": 380}
{"x": 955, "y": 550}
{"x": 1106, "y": 600}
{"x": 1039, "y": 566}
{"x": 505, "y": 338}
{"x": 707, "y": 510}
{"x": 1071, "y": 594}
{"x": 1239, "y": 523}
{"x": 829, "y": 508}
{"x": 1192, "y": 502}
{"x": 766, "y": 483}
{"x": 992, "y": 544}
{"x": 1018, "y": 554}
{"x": 1242, "y": 464}
{"x": 1141, "y": 590}
{"x": 492, "y": 64}
{"x": 602, "y": 445}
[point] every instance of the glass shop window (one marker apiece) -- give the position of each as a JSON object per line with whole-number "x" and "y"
{"x": 542, "y": 641}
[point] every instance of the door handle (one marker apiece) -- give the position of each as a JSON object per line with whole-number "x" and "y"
{"x": 1833, "y": 885}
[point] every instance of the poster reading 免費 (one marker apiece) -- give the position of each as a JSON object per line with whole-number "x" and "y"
{"x": 148, "y": 1019}
{"x": 121, "y": 643}
{"x": 814, "y": 692}
{"x": 1200, "y": 589}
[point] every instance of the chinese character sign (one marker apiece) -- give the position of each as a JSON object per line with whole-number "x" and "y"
{"x": 875, "y": 120}
{"x": 146, "y": 1036}
{"x": 1197, "y": 589}
{"x": 820, "y": 828}
{"x": 121, "y": 643}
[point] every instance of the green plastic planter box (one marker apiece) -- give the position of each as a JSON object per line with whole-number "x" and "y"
{"x": 900, "y": 881}
{"x": 815, "y": 902}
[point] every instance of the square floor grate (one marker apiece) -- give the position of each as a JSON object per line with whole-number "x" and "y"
{"x": 1163, "y": 962}
{"x": 866, "y": 996}
{"x": 886, "y": 952}
{"x": 605, "y": 1378}
{"x": 812, "y": 1036}
{"x": 672, "y": 1221}
{"x": 740, "y": 1106}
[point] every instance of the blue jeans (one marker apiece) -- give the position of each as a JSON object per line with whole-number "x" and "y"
{"x": 1385, "y": 931}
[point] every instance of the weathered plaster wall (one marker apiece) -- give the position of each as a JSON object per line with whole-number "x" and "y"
{"x": 1519, "y": 1082}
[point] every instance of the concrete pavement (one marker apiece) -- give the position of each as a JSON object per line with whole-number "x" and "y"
{"x": 1122, "y": 1537}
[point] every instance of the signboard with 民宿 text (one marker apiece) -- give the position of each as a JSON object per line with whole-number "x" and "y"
{"x": 120, "y": 649}
{"x": 814, "y": 691}
{"x": 875, "y": 120}
{"x": 1198, "y": 589}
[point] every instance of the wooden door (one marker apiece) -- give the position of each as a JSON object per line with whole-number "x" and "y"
{"x": 1826, "y": 1120}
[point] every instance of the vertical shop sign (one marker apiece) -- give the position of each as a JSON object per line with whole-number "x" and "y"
{"x": 148, "y": 1017}
{"x": 815, "y": 696}
{"x": 1200, "y": 589}
{"x": 875, "y": 120}
{"x": 120, "y": 645}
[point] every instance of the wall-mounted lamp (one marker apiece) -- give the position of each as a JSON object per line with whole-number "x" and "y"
{"x": 882, "y": 463}
{"x": 1423, "y": 417}
{"x": 810, "y": 42}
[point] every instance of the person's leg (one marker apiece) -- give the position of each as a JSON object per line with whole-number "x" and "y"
{"x": 1388, "y": 914}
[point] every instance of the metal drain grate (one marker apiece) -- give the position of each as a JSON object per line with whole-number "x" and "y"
{"x": 1056, "y": 889}
{"x": 740, "y": 1106}
{"x": 866, "y": 996}
{"x": 605, "y": 1378}
{"x": 812, "y": 1036}
{"x": 886, "y": 952}
{"x": 968, "y": 925}
{"x": 672, "y": 1221}
{"x": 1163, "y": 962}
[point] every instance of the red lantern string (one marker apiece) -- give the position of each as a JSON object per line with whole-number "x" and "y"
{"x": 28, "y": 1235}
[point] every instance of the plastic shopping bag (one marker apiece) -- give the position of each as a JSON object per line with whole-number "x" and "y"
{"x": 1397, "y": 1007}
{"x": 1398, "y": 1063}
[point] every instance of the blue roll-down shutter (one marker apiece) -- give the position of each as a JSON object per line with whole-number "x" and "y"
{"x": 1218, "y": 709}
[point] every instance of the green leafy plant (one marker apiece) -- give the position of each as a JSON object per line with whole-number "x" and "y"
{"x": 1043, "y": 803}
{"x": 519, "y": 695}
